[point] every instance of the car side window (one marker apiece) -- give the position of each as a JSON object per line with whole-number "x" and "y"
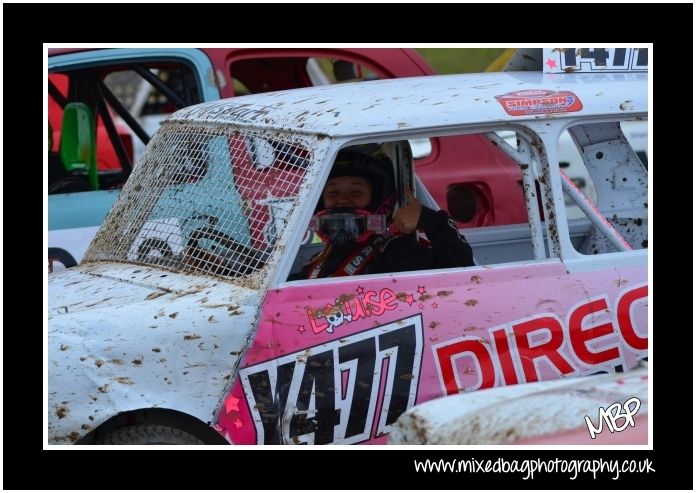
{"x": 616, "y": 186}
{"x": 490, "y": 244}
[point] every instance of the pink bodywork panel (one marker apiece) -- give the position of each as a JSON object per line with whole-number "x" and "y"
{"x": 348, "y": 357}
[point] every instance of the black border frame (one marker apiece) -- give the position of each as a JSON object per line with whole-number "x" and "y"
{"x": 357, "y": 468}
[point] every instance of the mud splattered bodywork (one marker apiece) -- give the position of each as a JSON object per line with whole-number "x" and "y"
{"x": 120, "y": 340}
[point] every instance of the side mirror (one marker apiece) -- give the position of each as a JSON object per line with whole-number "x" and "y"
{"x": 78, "y": 142}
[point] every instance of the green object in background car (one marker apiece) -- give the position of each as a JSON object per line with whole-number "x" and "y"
{"x": 78, "y": 142}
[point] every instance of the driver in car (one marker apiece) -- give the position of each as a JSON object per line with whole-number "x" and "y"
{"x": 363, "y": 235}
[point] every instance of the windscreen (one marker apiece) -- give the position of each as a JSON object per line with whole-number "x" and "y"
{"x": 206, "y": 199}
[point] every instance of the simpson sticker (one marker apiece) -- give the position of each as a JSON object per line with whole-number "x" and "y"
{"x": 345, "y": 391}
{"x": 532, "y": 102}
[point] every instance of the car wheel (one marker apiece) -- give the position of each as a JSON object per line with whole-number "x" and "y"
{"x": 62, "y": 256}
{"x": 148, "y": 435}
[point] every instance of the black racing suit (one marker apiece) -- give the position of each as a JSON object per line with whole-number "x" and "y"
{"x": 404, "y": 253}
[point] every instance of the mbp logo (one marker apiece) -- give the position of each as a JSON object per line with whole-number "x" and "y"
{"x": 612, "y": 414}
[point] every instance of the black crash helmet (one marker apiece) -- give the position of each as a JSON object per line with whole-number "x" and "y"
{"x": 379, "y": 171}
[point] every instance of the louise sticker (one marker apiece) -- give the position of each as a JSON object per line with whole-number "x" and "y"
{"x": 539, "y": 101}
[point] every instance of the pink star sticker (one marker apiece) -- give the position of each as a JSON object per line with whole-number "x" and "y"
{"x": 421, "y": 289}
{"x": 238, "y": 423}
{"x": 434, "y": 305}
{"x": 421, "y": 306}
{"x": 300, "y": 329}
{"x": 409, "y": 299}
{"x": 360, "y": 290}
{"x": 231, "y": 404}
{"x": 551, "y": 62}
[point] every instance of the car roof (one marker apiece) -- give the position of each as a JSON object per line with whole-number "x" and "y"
{"x": 414, "y": 103}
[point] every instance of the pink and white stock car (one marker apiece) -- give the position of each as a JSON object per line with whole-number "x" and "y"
{"x": 180, "y": 325}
